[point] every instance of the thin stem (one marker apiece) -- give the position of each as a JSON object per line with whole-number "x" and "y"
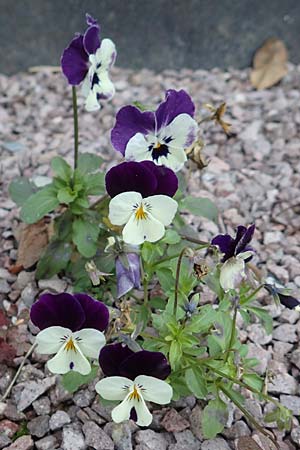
{"x": 177, "y": 280}
{"x": 169, "y": 258}
{"x": 251, "y": 296}
{"x": 232, "y": 330}
{"x": 194, "y": 240}
{"x": 99, "y": 201}
{"x": 75, "y": 120}
{"x": 145, "y": 284}
{"x": 7, "y": 392}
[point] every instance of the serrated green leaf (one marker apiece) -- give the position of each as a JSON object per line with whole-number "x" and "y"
{"x": 200, "y": 207}
{"x": 20, "y": 189}
{"x": 61, "y": 168}
{"x": 195, "y": 382}
{"x": 214, "y": 418}
{"x": 39, "y": 204}
{"x": 89, "y": 162}
{"x": 85, "y": 236}
{"x": 72, "y": 381}
{"x": 55, "y": 259}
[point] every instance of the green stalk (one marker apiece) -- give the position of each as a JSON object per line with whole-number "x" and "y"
{"x": 251, "y": 296}
{"x": 177, "y": 280}
{"x": 232, "y": 330}
{"x": 75, "y": 121}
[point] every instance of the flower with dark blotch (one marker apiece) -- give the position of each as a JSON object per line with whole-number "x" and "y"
{"x": 72, "y": 328}
{"x": 161, "y": 136}
{"x": 88, "y": 60}
{"x": 141, "y": 200}
{"x": 281, "y": 294}
{"x": 236, "y": 252}
{"x": 133, "y": 378}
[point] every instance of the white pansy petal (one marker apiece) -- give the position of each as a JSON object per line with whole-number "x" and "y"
{"x": 245, "y": 255}
{"x": 106, "y": 54}
{"x": 137, "y": 149}
{"x": 121, "y": 207}
{"x": 162, "y": 208}
{"x": 67, "y": 360}
{"x": 154, "y": 390}
{"x": 137, "y": 231}
{"x": 144, "y": 417}
{"x": 113, "y": 388}
{"x": 91, "y": 101}
{"x": 90, "y": 341}
{"x": 176, "y": 158}
{"x": 232, "y": 273}
{"x": 105, "y": 87}
{"x": 183, "y": 131}
{"x": 122, "y": 411}
{"x": 51, "y": 339}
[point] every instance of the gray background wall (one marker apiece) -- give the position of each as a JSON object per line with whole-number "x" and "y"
{"x": 157, "y": 34}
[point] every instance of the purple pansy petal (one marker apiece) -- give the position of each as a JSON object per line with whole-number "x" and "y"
{"x": 111, "y": 357}
{"x": 130, "y": 121}
{"x": 57, "y": 310}
{"x": 96, "y": 313}
{"x": 176, "y": 102}
{"x": 90, "y": 20}
{"x": 128, "y": 278}
{"x": 91, "y": 39}
{"x": 288, "y": 301}
{"x": 74, "y": 61}
{"x": 130, "y": 176}
{"x": 167, "y": 181}
{"x": 226, "y": 245}
{"x": 244, "y": 239}
{"x": 153, "y": 364}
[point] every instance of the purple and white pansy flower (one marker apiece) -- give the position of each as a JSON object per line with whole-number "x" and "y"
{"x": 141, "y": 200}
{"x": 71, "y": 327}
{"x": 87, "y": 59}
{"x": 133, "y": 378}
{"x": 160, "y": 136}
{"x": 236, "y": 253}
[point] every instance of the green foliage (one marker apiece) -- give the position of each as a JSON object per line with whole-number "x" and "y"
{"x": 20, "y": 189}
{"x": 85, "y": 236}
{"x": 89, "y": 163}
{"x": 214, "y": 418}
{"x": 55, "y": 259}
{"x": 72, "y": 381}
{"x": 39, "y": 204}
{"x": 200, "y": 207}
{"x": 195, "y": 381}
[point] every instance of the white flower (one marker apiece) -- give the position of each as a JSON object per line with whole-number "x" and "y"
{"x": 71, "y": 348}
{"x": 145, "y": 219}
{"x": 97, "y": 84}
{"x": 233, "y": 271}
{"x": 133, "y": 395}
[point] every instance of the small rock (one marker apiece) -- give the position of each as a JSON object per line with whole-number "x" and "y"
{"x": 282, "y": 383}
{"x": 150, "y": 440}
{"x": 280, "y": 350}
{"x": 263, "y": 356}
{"x": 83, "y": 398}
{"x": 59, "y": 395}
{"x": 292, "y": 402}
{"x": 58, "y": 420}
{"x": 22, "y": 443}
{"x": 54, "y": 284}
{"x": 23, "y": 279}
{"x": 295, "y": 358}
{"x": 4, "y": 441}
{"x": 289, "y": 315}
{"x": 238, "y": 429}
{"x": 174, "y": 422}
{"x": 258, "y": 334}
{"x": 95, "y": 437}
{"x": 285, "y": 333}
{"x": 195, "y": 421}
{"x": 4, "y": 287}
{"x": 28, "y": 294}
{"x": 185, "y": 440}
{"x": 47, "y": 443}
{"x": 72, "y": 439}
{"x": 42, "y": 406}
{"x": 8, "y": 428}
{"x": 295, "y": 435}
{"x": 33, "y": 390}
{"x": 39, "y": 426}
{"x": 215, "y": 444}
{"x": 272, "y": 237}
{"x": 121, "y": 435}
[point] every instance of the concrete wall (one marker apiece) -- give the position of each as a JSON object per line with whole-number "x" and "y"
{"x": 156, "y": 34}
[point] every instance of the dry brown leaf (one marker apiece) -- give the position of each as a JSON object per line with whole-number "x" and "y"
{"x": 33, "y": 240}
{"x": 269, "y": 64}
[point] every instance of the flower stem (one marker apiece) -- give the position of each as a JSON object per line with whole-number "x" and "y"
{"x": 177, "y": 280}
{"x": 75, "y": 120}
{"x": 231, "y": 341}
{"x": 194, "y": 240}
{"x": 251, "y": 296}
{"x": 7, "y": 392}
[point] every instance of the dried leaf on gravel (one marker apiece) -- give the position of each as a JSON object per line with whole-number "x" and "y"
{"x": 33, "y": 240}
{"x": 3, "y": 319}
{"x": 7, "y": 352}
{"x": 269, "y": 64}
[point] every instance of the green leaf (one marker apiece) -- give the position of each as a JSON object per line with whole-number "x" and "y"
{"x": 264, "y": 316}
{"x": 166, "y": 279}
{"x": 66, "y": 195}
{"x": 143, "y": 107}
{"x": 175, "y": 354}
{"x": 214, "y": 418}
{"x": 195, "y": 382}
{"x": 20, "y": 189}
{"x": 171, "y": 237}
{"x": 202, "y": 321}
{"x": 55, "y": 259}
{"x": 200, "y": 207}
{"x": 39, "y": 204}
{"x": 61, "y": 168}
{"x": 72, "y": 381}
{"x": 95, "y": 184}
{"x": 89, "y": 162}
{"x": 85, "y": 236}
{"x": 253, "y": 380}
{"x": 158, "y": 303}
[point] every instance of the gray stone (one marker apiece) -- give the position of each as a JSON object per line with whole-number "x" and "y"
{"x": 295, "y": 358}
{"x": 42, "y": 406}
{"x": 121, "y": 435}
{"x": 295, "y": 435}
{"x": 185, "y": 440}
{"x": 280, "y": 350}
{"x": 54, "y": 284}
{"x": 195, "y": 421}
{"x": 282, "y": 383}
{"x": 258, "y": 334}
{"x": 39, "y": 426}
{"x": 83, "y": 398}
{"x": 4, "y": 441}
{"x": 29, "y": 294}
{"x": 59, "y": 395}
{"x": 292, "y": 402}
{"x": 238, "y": 429}
{"x": 72, "y": 439}
{"x": 215, "y": 444}
{"x": 58, "y": 420}
{"x": 285, "y": 333}
{"x": 22, "y": 443}
{"x": 23, "y": 279}
{"x": 96, "y": 438}
{"x": 262, "y": 355}
{"x": 47, "y": 443}
{"x": 150, "y": 440}
{"x": 4, "y": 287}
{"x": 33, "y": 390}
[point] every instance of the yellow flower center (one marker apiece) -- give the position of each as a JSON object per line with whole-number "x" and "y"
{"x": 70, "y": 346}
{"x": 140, "y": 213}
{"x": 134, "y": 394}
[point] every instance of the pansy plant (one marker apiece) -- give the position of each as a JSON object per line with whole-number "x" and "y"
{"x": 133, "y": 378}
{"x": 87, "y": 60}
{"x": 71, "y": 328}
{"x": 161, "y": 136}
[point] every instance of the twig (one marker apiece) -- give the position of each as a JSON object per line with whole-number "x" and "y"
{"x": 75, "y": 119}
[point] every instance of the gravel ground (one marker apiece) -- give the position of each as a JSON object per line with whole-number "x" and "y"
{"x": 253, "y": 176}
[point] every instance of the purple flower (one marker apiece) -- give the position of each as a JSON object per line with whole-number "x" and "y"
{"x": 128, "y": 273}
{"x": 143, "y": 177}
{"x": 281, "y": 294}
{"x": 161, "y": 136}
{"x": 75, "y": 312}
{"x": 89, "y": 60}
{"x": 233, "y": 246}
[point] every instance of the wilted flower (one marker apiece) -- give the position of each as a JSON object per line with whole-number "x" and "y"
{"x": 71, "y": 327}
{"x": 141, "y": 200}
{"x": 96, "y": 276}
{"x": 89, "y": 60}
{"x": 133, "y": 378}
{"x": 217, "y": 115}
{"x": 128, "y": 273}
{"x": 161, "y": 136}
{"x": 236, "y": 252}
{"x": 281, "y": 294}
